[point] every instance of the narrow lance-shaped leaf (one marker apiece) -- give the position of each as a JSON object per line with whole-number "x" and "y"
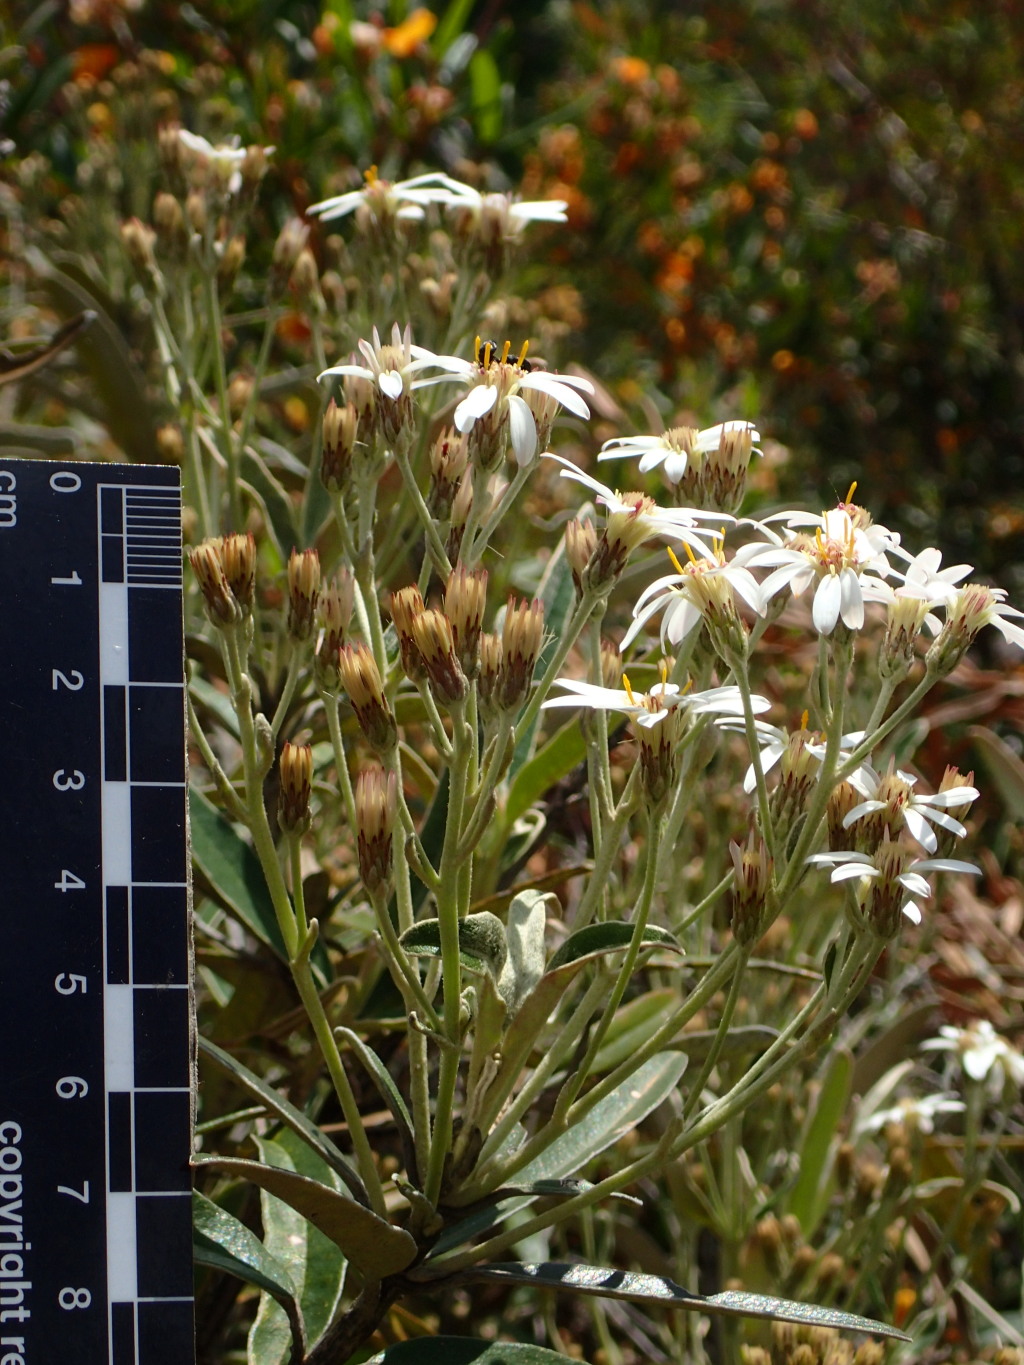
{"x": 467, "y": 1351}
{"x": 604, "y": 1282}
{"x": 294, "y": 1118}
{"x": 388, "y": 1091}
{"x": 374, "y": 1247}
{"x": 221, "y": 1242}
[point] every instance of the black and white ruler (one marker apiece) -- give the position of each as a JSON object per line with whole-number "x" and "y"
{"x": 95, "y": 1003}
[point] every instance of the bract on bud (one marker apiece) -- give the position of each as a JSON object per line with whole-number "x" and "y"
{"x": 521, "y": 639}
{"x": 362, "y": 682}
{"x": 138, "y": 240}
{"x": 449, "y": 457}
{"x": 461, "y": 508}
{"x": 753, "y": 867}
{"x": 221, "y": 606}
{"x": 406, "y": 605}
{"x": 580, "y": 546}
{"x": 340, "y": 428}
{"x": 296, "y": 772}
{"x": 336, "y": 601}
{"x": 303, "y": 592}
{"x": 433, "y": 634}
{"x": 464, "y": 601}
{"x": 842, "y": 799}
{"x": 375, "y": 818}
{"x": 238, "y": 556}
{"x": 491, "y": 654}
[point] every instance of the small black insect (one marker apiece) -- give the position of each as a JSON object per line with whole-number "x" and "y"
{"x": 489, "y": 352}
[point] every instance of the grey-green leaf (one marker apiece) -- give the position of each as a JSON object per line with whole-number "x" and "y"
{"x": 466, "y": 1351}
{"x": 294, "y": 1118}
{"x": 606, "y": 938}
{"x": 374, "y": 1246}
{"x": 482, "y": 945}
{"x": 627, "y": 1284}
{"x": 315, "y": 1263}
{"x": 524, "y": 966}
{"x": 221, "y": 1242}
{"x": 388, "y": 1091}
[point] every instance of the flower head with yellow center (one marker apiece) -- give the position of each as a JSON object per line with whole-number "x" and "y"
{"x": 701, "y": 589}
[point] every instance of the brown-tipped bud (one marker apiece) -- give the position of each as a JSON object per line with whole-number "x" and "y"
{"x": 580, "y": 548}
{"x": 798, "y": 772}
{"x": 904, "y": 621}
{"x": 170, "y": 444}
{"x": 461, "y": 508}
{"x": 491, "y": 654}
{"x": 521, "y": 639}
{"x": 611, "y": 664}
{"x": 464, "y": 601}
{"x": 255, "y": 165}
{"x": 882, "y": 898}
{"x": 841, "y": 801}
{"x": 169, "y": 222}
{"x": 545, "y": 409}
{"x": 375, "y": 820}
{"x": 449, "y": 456}
{"x": 238, "y": 556}
{"x": 196, "y": 211}
{"x": 336, "y": 601}
{"x": 340, "y": 427}
{"x": 432, "y": 632}
{"x": 753, "y": 867}
{"x": 232, "y": 258}
{"x": 973, "y": 608}
{"x": 303, "y": 592}
{"x": 305, "y": 276}
{"x": 406, "y": 605}
{"x": 138, "y": 240}
{"x": 724, "y": 472}
{"x": 170, "y": 151}
{"x": 953, "y": 778}
{"x": 361, "y": 681}
{"x": 221, "y": 606}
{"x": 240, "y": 390}
{"x": 624, "y": 532}
{"x": 296, "y": 773}
{"x": 290, "y": 242}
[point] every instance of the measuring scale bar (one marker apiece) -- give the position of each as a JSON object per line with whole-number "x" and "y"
{"x": 95, "y": 984}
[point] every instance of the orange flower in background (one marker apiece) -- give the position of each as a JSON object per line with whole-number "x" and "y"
{"x": 630, "y": 70}
{"x": 92, "y": 61}
{"x": 405, "y": 38}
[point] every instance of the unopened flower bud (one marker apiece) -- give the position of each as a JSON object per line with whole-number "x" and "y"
{"x": 305, "y": 276}
{"x": 464, "y": 601}
{"x": 232, "y": 257}
{"x": 882, "y": 898}
{"x": 240, "y": 390}
{"x": 973, "y": 609}
{"x": 449, "y": 457}
{"x": 336, "y": 601}
{"x": 432, "y": 632}
{"x": 611, "y": 663}
{"x": 296, "y": 772}
{"x": 724, "y": 472}
{"x": 842, "y": 799}
{"x": 290, "y": 241}
{"x": 138, "y": 241}
{"x": 255, "y": 165}
{"x": 625, "y": 532}
{"x": 521, "y": 639}
{"x": 170, "y": 444}
{"x": 340, "y": 427}
{"x": 658, "y": 749}
{"x": 904, "y": 620}
{"x": 491, "y": 654}
{"x": 752, "y": 866}
{"x": 196, "y": 211}
{"x": 798, "y": 773}
{"x": 303, "y": 591}
{"x": 461, "y": 508}
{"x": 169, "y": 222}
{"x": 375, "y": 819}
{"x": 238, "y": 556}
{"x": 221, "y": 606}
{"x": 580, "y": 547}
{"x": 406, "y": 605}
{"x": 361, "y": 680}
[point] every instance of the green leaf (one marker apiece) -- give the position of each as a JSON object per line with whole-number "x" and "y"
{"x": 632, "y": 1026}
{"x": 605, "y": 938}
{"x": 482, "y": 946}
{"x": 1004, "y": 766}
{"x": 565, "y": 1188}
{"x": 485, "y": 89}
{"x": 374, "y": 1246}
{"x": 279, "y": 512}
{"x": 565, "y": 750}
{"x": 524, "y": 966}
{"x": 640, "y": 1288}
{"x": 313, "y": 1260}
{"x": 453, "y": 21}
{"x": 611, "y": 1118}
{"x": 432, "y": 835}
{"x": 293, "y": 1118}
{"x": 809, "y": 1196}
{"x": 466, "y": 1351}
{"x": 220, "y": 1241}
{"x": 233, "y": 871}
{"x": 388, "y": 1091}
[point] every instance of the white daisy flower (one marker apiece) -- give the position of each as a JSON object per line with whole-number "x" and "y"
{"x": 984, "y": 1054}
{"x": 495, "y": 218}
{"x": 390, "y": 368}
{"x": 841, "y": 558}
{"x": 695, "y": 592}
{"x": 891, "y": 864}
{"x": 774, "y": 742}
{"x": 893, "y": 794}
{"x": 497, "y": 400}
{"x": 404, "y": 200}
{"x": 650, "y": 708}
{"x": 673, "y": 449}
{"x": 225, "y": 158}
{"x": 916, "y": 1114}
{"x": 976, "y": 606}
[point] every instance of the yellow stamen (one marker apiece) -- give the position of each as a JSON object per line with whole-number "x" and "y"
{"x": 804, "y": 719}
{"x": 689, "y": 553}
{"x": 819, "y": 540}
{"x": 663, "y": 670}
{"x": 672, "y": 555}
{"x": 476, "y": 347}
{"x": 687, "y": 688}
{"x": 370, "y": 175}
{"x": 522, "y": 354}
{"x": 504, "y": 352}
{"x": 628, "y": 691}
{"x": 853, "y": 489}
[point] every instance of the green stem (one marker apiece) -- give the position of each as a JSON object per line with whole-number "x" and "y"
{"x": 230, "y": 448}
{"x": 437, "y": 551}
